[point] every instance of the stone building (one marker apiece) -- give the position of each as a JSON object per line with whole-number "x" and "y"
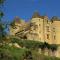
{"x": 39, "y": 28}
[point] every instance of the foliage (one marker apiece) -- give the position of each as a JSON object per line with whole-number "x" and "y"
{"x": 34, "y": 44}
{"x": 37, "y": 56}
{"x": 53, "y": 47}
{"x": 2, "y": 27}
{"x": 26, "y": 43}
{"x": 2, "y": 1}
{"x": 28, "y": 55}
{"x": 12, "y": 53}
{"x": 1, "y": 14}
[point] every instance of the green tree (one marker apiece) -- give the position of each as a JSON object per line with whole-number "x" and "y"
{"x": 2, "y": 27}
{"x": 2, "y": 2}
{"x": 53, "y": 47}
{"x": 28, "y": 55}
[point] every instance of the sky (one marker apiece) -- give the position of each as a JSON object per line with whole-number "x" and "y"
{"x": 25, "y": 8}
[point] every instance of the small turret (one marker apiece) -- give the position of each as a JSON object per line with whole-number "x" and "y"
{"x": 17, "y": 19}
{"x": 36, "y": 15}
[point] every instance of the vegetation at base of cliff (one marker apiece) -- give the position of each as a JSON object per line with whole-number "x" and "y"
{"x": 30, "y": 44}
{"x": 12, "y": 53}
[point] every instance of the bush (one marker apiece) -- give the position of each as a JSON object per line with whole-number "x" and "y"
{"x": 11, "y": 53}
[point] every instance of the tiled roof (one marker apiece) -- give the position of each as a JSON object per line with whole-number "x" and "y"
{"x": 18, "y": 20}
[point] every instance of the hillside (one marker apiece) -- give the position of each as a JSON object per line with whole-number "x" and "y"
{"x": 13, "y": 53}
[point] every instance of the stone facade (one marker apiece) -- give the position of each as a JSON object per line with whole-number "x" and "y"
{"x": 39, "y": 28}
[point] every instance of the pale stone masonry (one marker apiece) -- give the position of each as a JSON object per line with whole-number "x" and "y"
{"x": 39, "y": 28}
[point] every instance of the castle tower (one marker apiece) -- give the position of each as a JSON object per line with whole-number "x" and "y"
{"x": 40, "y": 28}
{"x": 36, "y": 27}
{"x": 56, "y": 30}
{"x": 47, "y": 30}
{"x": 16, "y": 26}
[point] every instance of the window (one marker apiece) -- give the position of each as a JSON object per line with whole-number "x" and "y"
{"x": 47, "y": 36}
{"x": 53, "y": 29}
{"x": 35, "y": 27}
{"x": 47, "y": 27}
{"x": 32, "y": 24}
{"x": 47, "y": 21}
{"x": 39, "y": 24}
{"x": 54, "y": 37}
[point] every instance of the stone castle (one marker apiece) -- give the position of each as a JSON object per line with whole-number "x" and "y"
{"x": 39, "y": 28}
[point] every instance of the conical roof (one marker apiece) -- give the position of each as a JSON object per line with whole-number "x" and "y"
{"x": 17, "y": 19}
{"x": 36, "y": 15}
